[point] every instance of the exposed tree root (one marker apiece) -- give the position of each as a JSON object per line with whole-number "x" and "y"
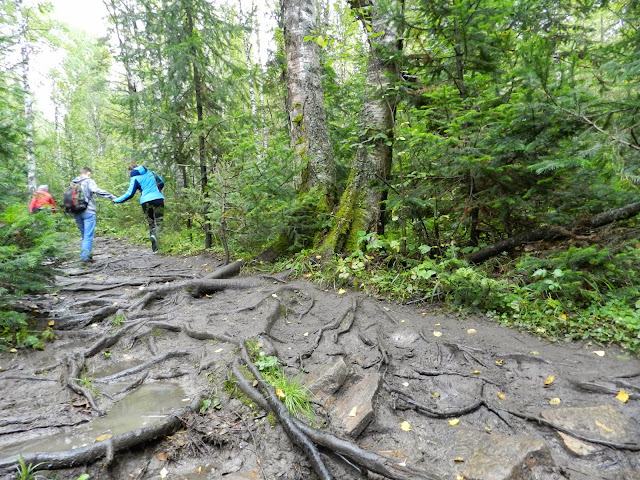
{"x": 75, "y": 363}
{"x": 86, "y": 319}
{"x": 363, "y": 458}
{"x": 144, "y": 366}
{"x": 630, "y": 446}
{"x": 432, "y": 412}
{"x": 293, "y": 432}
{"x": 106, "y": 449}
{"x": 330, "y": 326}
{"x": 196, "y": 288}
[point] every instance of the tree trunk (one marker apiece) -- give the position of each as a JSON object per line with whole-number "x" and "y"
{"x": 305, "y": 102}
{"x": 28, "y": 100}
{"x": 361, "y": 204}
{"x": 197, "y": 86}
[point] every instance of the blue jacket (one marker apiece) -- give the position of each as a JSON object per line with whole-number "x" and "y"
{"x": 145, "y": 181}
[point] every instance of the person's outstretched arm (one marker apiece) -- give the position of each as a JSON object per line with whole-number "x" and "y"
{"x": 131, "y": 191}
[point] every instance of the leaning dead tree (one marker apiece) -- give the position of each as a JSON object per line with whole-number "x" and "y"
{"x": 555, "y": 233}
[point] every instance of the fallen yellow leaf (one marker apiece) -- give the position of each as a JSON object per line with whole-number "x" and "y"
{"x": 549, "y": 380}
{"x": 477, "y": 372}
{"x": 555, "y": 401}
{"x": 501, "y": 395}
{"x": 541, "y": 330}
{"x": 472, "y": 331}
{"x": 280, "y": 393}
{"x": 622, "y": 396}
{"x": 51, "y": 323}
{"x": 218, "y": 350}
{"x": 600, "y": 353}
{"x": 459, "y": 477}
{"x": 499, "y": 361}
{"x": 305, "y": 334}
{"x": 454, "y": 421}
{"x": 435, "y": 394}
{"x": 562, "y": 316}
{"x": 534, "y": 353}
{"x": 353, "y": 412}
{"x": 342, "y": 291}
{"x": 13, "y": 350}
{"x": 437, "y": 325}
{"x": 437, "y": 334}
{"x": 458, "y": 459}
{"x": 405, "y": 427}
{"x": 104, "y": 437}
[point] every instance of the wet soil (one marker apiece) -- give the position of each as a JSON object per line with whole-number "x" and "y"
{"x": 138, "y": 383}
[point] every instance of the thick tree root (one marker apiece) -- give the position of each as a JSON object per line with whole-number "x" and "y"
{"x": 363, "y": 458}
{"x": 106, "y": 449}
{"x": 293, "y": 432}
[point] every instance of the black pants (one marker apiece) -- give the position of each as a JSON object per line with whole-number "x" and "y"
{"x": 154, "y": 211}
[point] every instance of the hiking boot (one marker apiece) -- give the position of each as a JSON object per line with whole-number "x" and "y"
{"x": 154, "y": 243}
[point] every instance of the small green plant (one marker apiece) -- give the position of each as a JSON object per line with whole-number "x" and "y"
{"x": 87, "y": 382}
{"x": 27, "y": 472}
{"x": 118, "y": 319}
{"x": 295, "y": 396}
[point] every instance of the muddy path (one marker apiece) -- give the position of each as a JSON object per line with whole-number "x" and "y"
{"x": 148, "y": 378}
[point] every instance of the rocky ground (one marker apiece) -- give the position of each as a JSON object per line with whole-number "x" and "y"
{"x": 148, "y": 378}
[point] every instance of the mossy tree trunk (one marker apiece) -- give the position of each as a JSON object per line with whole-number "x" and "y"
{"x": 361, "y": 205}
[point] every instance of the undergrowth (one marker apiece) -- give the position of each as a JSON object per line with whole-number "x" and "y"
{"x": 575, "y": 294}
{"x": 29, "y": 247}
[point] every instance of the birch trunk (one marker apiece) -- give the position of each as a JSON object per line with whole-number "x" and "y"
{"x": 28, "y": 99}
{"x": 305, "y": 102}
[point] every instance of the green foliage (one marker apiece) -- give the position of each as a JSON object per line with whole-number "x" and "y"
{"x": 295, "y": 396}
{"x": 27, "y": 472}
{"x": 582, "y": 293}
{"x": 29, "y": 245}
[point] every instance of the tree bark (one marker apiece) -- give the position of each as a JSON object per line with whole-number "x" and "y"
{"x": 309, "y": 133}
{"x": 361, "y": 204}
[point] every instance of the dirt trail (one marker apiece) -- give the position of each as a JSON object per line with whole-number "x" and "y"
{"x": 144, "y": 342}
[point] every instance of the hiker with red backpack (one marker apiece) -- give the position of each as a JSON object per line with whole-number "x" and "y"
{"x": 150, "y": 185}
{"x": 78, "y": 201}
{"x": 42, "y": 199}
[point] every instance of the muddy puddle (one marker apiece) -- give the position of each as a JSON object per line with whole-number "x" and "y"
{"x": 145, "y": 407}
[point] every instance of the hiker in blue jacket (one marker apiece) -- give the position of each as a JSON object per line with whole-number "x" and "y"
{"x": 150, "y": 185}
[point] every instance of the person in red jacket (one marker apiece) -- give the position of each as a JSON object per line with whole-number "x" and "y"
{"x": 42, "y": 199}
